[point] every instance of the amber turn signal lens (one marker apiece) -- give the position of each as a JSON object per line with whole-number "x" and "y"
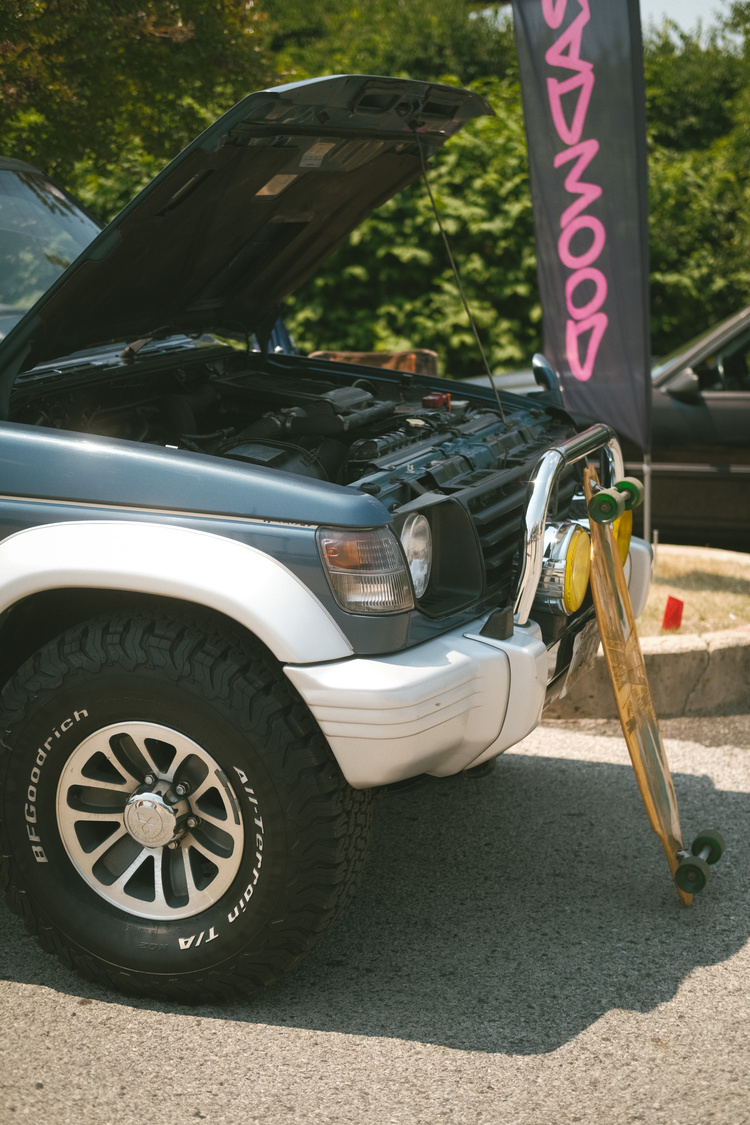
{"x": 366, "y": 570}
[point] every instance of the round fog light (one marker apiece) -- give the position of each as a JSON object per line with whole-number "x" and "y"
{"x": 565, "y": 568}
{"x": 416, "y": 539}
{"x": 577, "y": 568}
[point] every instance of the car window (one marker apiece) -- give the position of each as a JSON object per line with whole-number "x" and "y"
{"x": 685, "y": 349}
{"x": 41, "y": 233}
{"x": 728, "y": 370}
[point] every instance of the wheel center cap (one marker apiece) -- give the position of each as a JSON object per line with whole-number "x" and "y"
{"x": 150, "y": 820}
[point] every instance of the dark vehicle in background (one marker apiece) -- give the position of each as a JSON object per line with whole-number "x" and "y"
{"x": 700, "y": 482}
{"x": 42, "y": 231}
{"x": 701, "y": 439}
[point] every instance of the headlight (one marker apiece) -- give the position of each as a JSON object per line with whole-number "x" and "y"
{"x": 565, "y": 569}
{"x": 416, "y": 539}
{"x": 365, "y": 570}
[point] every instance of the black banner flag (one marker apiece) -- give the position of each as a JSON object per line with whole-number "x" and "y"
{"x": 581, "y": 64}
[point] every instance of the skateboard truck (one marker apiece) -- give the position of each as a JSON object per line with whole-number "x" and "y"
{"x": 693, "y": 869}
{"x": 607, "y": 504}
{"x": 635, "y": 706}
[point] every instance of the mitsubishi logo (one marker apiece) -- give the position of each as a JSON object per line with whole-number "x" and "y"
{"x": 149, "y": 820}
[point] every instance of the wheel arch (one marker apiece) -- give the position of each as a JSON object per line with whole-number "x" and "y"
{"x": 35, "y": 620}
{"x": 56, "y": 575}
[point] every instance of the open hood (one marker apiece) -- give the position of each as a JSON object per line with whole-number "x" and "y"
{"x": 244, "y": 215}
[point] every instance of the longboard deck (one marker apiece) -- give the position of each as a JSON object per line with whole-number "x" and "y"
{"x": 627, "y": 671}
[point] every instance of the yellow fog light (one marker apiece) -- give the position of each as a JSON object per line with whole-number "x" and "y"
{"x": 565, "y": 568}
{"x": 577, "y": 568}
{"x": 623, "y": 531}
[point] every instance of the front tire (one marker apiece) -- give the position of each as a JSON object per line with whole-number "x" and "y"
{"x": 173, "y": 822}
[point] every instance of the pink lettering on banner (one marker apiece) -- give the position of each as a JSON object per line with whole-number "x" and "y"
{"x": 554, "y": 12}
{"x": 583, "y": 154}
{"x": 566, "y": 51}
{"x": 577, "y": 261}
{"x": 583, "y": 312}
{"x": 597, "y": 325}
{"x": 577, "y": 89}
{"x": 584, "y": 83}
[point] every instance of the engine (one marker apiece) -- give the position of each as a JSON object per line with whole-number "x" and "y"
{"x": 391, "y": 437}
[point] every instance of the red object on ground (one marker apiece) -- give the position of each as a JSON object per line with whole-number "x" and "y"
{"x": 672, "y": 618}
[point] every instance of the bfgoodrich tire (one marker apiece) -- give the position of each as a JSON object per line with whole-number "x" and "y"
{"x": 172, "y": 821}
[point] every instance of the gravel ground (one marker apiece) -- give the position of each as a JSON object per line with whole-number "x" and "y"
{"x": 713, "y": 585}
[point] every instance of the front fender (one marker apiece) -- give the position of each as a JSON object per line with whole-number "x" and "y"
{"x": 233, "y": 578}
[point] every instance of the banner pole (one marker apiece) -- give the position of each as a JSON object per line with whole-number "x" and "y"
{"x": 647, "y": 497}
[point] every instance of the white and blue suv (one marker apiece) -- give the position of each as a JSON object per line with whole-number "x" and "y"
{"x": 240, "y": 588}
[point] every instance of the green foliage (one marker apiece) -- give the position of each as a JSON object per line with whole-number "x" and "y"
{"x": 105, "y": 188}
{"x": 690, "y": 87}
{"x": 392, "y": 285}
{"x": 102, "y": 94}
{"x": 421, "y": 40}
{"x": 120, "y": 86}
{"x": 699, "y": 270}
{"x": 698, "y": 99}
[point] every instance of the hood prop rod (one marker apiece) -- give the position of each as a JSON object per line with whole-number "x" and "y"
{"x": 458, "y": 279}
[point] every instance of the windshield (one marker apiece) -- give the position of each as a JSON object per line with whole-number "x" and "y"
{"x": 41, "y": 233}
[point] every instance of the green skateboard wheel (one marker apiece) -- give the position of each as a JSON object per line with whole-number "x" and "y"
{"x": 692, "y": 874}
{"x": 606, "y": 505}
{"x": 633, "y": 491}
{"x": 712, "y": 840}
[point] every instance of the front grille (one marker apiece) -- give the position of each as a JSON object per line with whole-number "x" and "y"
{"x": 497, "y": 513}
{"x": 497, "y": 505}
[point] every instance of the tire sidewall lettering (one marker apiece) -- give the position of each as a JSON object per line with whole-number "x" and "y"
{"x": 31, "y": 824}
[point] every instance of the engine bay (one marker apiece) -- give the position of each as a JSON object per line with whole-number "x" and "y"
{"x": 388, "y": 434}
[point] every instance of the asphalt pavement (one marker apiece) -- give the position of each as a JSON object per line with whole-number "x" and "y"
{"x": 516, "y": 955}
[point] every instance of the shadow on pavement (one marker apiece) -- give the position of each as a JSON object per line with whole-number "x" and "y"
{"x": 504, "y": 914}
{"x": 715, "y": 734}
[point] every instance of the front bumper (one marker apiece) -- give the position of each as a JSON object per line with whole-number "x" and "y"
{"x": 441, "y": 706}
{"x": 436, "y": 708}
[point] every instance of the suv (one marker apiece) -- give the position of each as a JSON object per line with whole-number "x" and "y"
{"x": 241, "y": 589}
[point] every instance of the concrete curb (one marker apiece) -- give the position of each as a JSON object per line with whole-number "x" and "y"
{"x": 689, "y": 675}
{"x": 699, "y": 674}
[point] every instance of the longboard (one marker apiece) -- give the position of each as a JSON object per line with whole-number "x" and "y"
{"x": 627, "y": 670}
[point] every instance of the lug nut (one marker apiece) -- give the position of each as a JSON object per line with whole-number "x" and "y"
{"x": 192, "y": 821}
{"x": 149, "y": 779}
{"x": 182, "y": 789}
{"x": 173, "y": 844}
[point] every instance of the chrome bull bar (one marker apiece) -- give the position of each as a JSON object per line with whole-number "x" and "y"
{"x": 550, "y": 466}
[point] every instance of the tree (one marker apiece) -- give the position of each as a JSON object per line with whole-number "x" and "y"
{"x": 102, "y": 94}
{"x": 699, "y": 269}
{"x": 422, "y": 40}
{"x": 698, "y": 103}
{"x": 392, "y": 286}
{"x": 90, "y": 88}
{"x": 691, "y": 84}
